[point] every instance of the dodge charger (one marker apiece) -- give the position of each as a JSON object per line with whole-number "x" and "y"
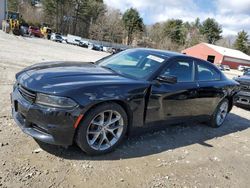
{"x": 97, "y": 104}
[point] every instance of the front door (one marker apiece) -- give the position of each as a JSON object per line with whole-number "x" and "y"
{"x": 173, "y": 103}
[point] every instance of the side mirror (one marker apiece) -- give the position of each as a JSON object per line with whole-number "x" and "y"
{"x": 167, "y": 79}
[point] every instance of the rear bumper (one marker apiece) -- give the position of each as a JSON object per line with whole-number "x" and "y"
{"x": 242, "y": 98}
{"x": 49, "y": 125}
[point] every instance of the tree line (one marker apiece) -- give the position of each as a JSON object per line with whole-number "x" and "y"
{"x": 93, "y": 19}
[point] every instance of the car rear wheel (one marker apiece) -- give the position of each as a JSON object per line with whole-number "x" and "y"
{"x": 103, "y": 129}
{"x": 220, "y": 114}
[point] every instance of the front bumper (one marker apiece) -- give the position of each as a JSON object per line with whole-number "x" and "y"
{"x": 242, "y": 98}
{"x": 49, "y": 125}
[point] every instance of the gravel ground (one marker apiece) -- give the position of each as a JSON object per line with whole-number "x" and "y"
{"x": 189, "y": 155}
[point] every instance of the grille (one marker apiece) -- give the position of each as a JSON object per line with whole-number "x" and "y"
{"x": 245, "y": 87}
{"x": 27, "y": 94}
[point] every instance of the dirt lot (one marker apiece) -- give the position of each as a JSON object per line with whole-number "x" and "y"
{"x": 191, "y": 155}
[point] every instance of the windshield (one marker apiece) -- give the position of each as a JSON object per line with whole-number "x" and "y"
{"x": 140, "y": 64}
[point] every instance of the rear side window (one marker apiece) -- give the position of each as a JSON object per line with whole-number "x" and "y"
{"x": 206, "y": 72}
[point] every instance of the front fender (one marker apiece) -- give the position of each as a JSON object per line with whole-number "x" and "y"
{"x": 133, "y": 96}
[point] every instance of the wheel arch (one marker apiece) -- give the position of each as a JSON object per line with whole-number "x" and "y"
{"x": 123, "y": 104}
{"x": 230, "y": 100}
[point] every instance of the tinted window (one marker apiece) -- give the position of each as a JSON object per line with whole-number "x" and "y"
{"x": 206, "y": 72}
{"x": 182, "y": 69}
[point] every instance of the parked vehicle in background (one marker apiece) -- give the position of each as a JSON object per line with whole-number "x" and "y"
{"x": 246, "y": 70}
{"x": 24, "y": 29}
{"x": 83, "y": 43}
{"x": 35, "y": 31}
{"x": 117, "y": 50}
{"x": 72, "y": 39}
{"x": 97, "y": 104}
{"x": 77, "y": 42}
{"x": 220, "y": 67}
{"x": 242, "y": 67}
{"x": 97, "y": 47}
{"x": 243, "y": 97}
{"x": 12, "y": 23}
{"x": 64, "y": 39}
{"x": 113, "y": 50}
{"x": 90, "y": 46}
{"x": 57, "y": 37}
{"x": 226, "y": 67}
{"x": 46, "y": 32}
{"x": 107, "y": 49}
{"x": 223, "y": 67}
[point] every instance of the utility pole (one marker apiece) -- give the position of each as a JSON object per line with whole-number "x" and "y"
{"x": 6, "y": 10}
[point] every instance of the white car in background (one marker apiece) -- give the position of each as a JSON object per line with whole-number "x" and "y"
{"x": 72, "y": 39}
{"x": 90, "y": 46}
{"x": 57, "y": 37}
{"x": 107, "y": 49}
{"x": 226, "y": 67}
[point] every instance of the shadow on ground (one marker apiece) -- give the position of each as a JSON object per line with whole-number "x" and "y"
{"x": 170, "y": 138}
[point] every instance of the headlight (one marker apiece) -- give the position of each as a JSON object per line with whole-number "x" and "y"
{"x": 55, "y": 101}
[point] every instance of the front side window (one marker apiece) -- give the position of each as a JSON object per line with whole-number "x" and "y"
{"x": 182, "y": 70}
{"x": 140, "y": 64}
{"x": 206, "y": 72}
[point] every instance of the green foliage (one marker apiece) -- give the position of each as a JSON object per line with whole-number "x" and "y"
{"x": 49, "y": 6}
{"x": 193, "y": 35}
{"x": 91, "y": 18}
{"x": 175, "y": 30}
{"x": 72, "y": 16}
{"x": 197, "y": 23}
{"x": 211, "y": 30}
{"x": 241, "y": 42}
{"x": 13, "y": 5}
{"x": 133, "y": 23}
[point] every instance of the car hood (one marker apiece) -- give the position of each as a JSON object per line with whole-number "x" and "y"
{"x": 57, "y": 77}
{"x": 243, "y": 79}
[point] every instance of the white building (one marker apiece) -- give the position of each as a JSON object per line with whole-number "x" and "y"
{"x": 3, "y": 5}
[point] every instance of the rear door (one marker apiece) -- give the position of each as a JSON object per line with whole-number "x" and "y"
{"x": 211, "y": 89}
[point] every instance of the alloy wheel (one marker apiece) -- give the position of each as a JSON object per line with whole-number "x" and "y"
{"x": 105, "y": 130}
{"x": 222, "y": 113}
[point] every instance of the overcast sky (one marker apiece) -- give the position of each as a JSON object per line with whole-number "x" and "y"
{"x": 233, "y": 15}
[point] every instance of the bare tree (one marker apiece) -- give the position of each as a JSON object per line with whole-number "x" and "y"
{"x": 108, "y": 27}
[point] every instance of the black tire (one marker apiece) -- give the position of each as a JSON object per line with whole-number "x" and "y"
{"x": 81, "y": 135}
{"x": 214, "y": 123}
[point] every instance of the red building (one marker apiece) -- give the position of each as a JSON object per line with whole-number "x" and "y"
{"x": 218, "y": 55}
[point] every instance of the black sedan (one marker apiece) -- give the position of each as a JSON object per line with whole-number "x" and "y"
{"x": 97, "y": 104}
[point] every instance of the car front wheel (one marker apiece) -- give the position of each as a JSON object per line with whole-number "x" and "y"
{"x": 102, "y": 129}
{"x": 220, "y": 114}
